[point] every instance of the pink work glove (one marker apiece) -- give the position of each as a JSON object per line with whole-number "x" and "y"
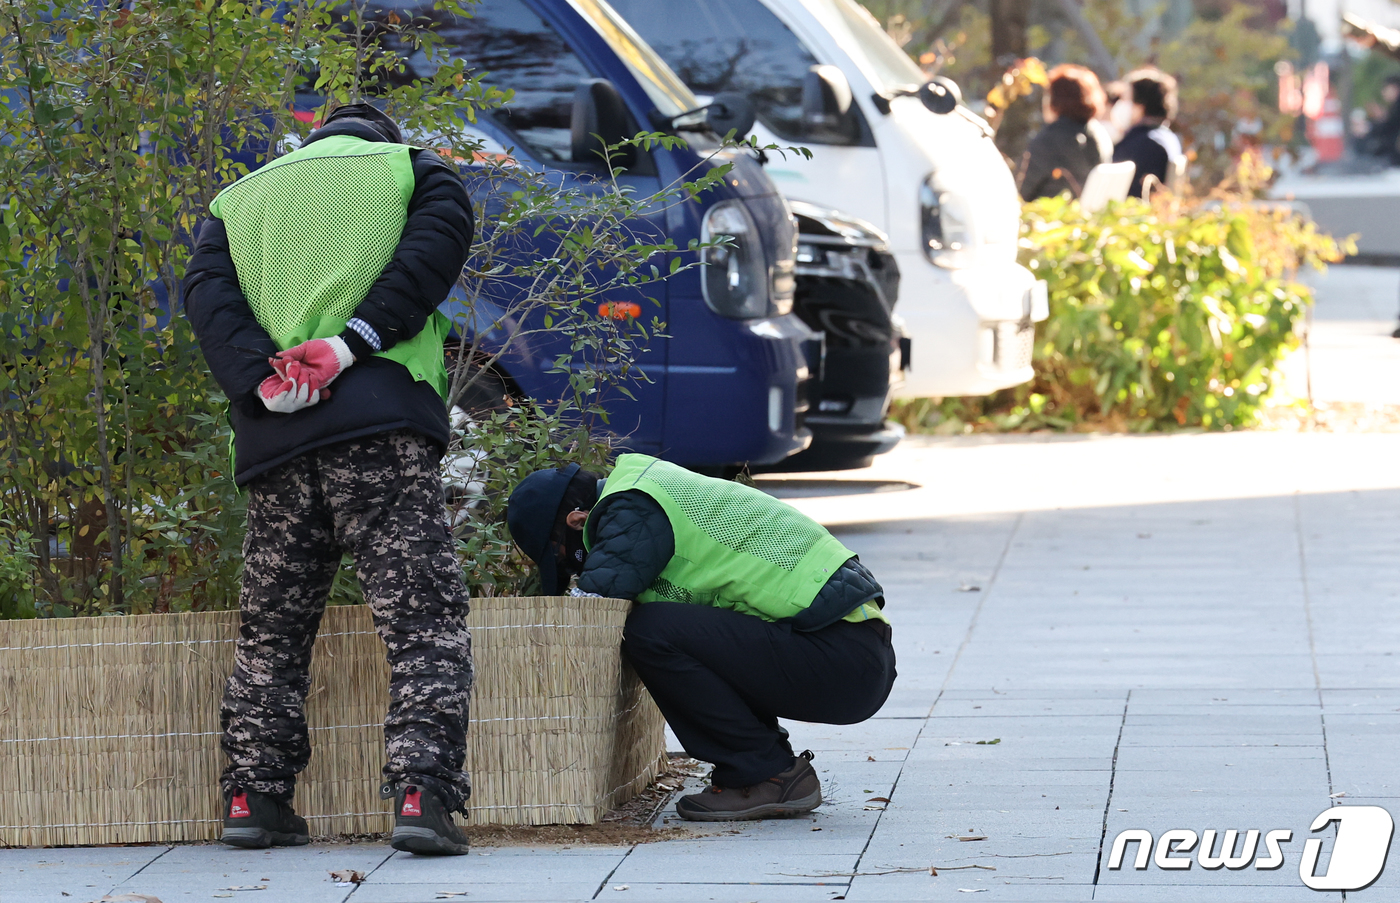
{"x": 286, "y": 396}
{"x": 317, "y": 362}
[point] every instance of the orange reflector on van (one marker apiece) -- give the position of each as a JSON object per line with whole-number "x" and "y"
{"x": 620, "y": 310}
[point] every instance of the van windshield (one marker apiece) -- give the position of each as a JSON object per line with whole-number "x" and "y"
{"x": 668, "y": 92}
{"x": 873, "y": 50}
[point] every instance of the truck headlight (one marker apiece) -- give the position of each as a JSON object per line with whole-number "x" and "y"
{"x": 946, "y": 223}
{"x": 734, "y": 280}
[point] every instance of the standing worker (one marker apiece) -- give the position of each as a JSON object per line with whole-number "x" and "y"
{"x": 327, "y": 266}
{"x": 752, "y": 612}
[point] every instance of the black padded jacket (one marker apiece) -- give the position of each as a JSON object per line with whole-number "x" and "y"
{"x": 633, "y": 542}
{"x": 374, "y": 395}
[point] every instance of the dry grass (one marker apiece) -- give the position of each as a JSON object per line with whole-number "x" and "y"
{"x": 115, "y": 720}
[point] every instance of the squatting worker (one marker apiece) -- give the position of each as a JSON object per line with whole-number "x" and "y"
{"x": 326, "y": 266}
{"x": 752, "y": 612}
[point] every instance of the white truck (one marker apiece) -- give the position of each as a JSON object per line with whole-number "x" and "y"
{"x": 822, "y": 74}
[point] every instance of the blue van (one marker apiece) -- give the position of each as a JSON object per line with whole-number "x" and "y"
{"x": 729, "y": 385}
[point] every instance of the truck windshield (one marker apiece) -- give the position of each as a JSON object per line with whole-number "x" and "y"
{"x": 873, "y": 50}
{"x": 668, "y": 92}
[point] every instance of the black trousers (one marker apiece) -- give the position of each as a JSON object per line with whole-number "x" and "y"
{"x": 723, "y": 679}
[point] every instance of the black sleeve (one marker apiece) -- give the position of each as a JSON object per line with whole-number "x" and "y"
{"x": 846, "y": 590}
{"x": 1038, "y": 168}
{"x": 431, "y": 253}
{"x": 632, "y": 542}
{"x": 234, "y": 344}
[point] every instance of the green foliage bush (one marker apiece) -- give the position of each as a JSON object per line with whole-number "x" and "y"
{"x": 1163, "y": 315}
{"x": 119, "y": 124}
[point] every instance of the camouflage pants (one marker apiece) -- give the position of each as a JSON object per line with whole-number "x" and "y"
{"x": 380, "y": 498}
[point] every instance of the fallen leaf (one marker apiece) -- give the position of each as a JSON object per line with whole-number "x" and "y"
{"x": 933, "y": 871}
{"x": 878, "y": 799}
{"x": 242, "y": 887}
{"x": 350, "y": 875}
{"x": 965, "y": 838}
{"x": 449, "y": 894}
{"x": 1337, "y": 796}
{"x": 816, "y": 829}
{"x": 223, "y": 895}
{"x": 130, "y": 898}
{"x": 621, "y": 887}
{"x": 989, "y": 742}
{"x": 972, "y": 890}
{"x": 870, "y": 758}
{"x": 968, "y": 588}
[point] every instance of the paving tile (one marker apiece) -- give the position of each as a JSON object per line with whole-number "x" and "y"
{"x": 1365, "y": 773}
{"x": 290, "y": 874}
{"x": 739, "y": 861}
{"x": 501, "y": 865}
{"x": 87, "y": 873}
{"x": 1361, "y": 701}
{"x": 757, "y": 892}
{"x": 951, "y": 886}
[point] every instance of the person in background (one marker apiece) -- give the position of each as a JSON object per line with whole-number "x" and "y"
{"x": 1150, "y": 143}
{"x": 751, "y": 612}
{"x": 1073, "y": 140}
{"x": 1383, "y": 138}
{"x": 1118, "y": 110}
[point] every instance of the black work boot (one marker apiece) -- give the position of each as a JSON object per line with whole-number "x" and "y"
{"x": 796, "y": 791}
{"x": 423, "y": 824}
{"x": 256, "y": 821}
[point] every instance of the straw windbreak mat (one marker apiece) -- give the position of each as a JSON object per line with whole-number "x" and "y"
{"x": 109, "y": 727}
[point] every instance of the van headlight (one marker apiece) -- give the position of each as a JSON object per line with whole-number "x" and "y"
{"x": 946, "y": 223}
{"x": 734, "y": 278}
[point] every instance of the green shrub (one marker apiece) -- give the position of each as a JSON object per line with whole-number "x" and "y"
{"x": 17, "y": 576}
{"x": 1162, "y": 315}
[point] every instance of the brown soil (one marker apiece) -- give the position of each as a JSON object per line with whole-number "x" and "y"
{"x": 626, "y": 825}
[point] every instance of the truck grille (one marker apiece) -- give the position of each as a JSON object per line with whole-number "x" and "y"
{"x": 1013, "y": 344}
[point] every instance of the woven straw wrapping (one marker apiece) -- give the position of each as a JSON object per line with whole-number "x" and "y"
{"x": 109, "y": 727}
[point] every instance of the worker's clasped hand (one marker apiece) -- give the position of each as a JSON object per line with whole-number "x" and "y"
{"x": 302, "y": 374}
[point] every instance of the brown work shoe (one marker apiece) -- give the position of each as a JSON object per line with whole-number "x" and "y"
{"x": 796, "y": 791}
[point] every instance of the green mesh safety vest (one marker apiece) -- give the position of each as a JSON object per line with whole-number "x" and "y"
{"x": 736, "y": 547}
{"x": 310, "y": 233}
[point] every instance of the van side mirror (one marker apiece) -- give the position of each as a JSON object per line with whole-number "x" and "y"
{"x": 826, "y": 100}
{"x": 599, "y": 118}
{"x": 940, "y": 95}
{"x": 730, "y": 111}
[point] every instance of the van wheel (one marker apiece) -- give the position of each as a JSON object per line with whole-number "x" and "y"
{"x": 487, "y": 391}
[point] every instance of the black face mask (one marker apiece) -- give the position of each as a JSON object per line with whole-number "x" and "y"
{"x": 569, "y": 559}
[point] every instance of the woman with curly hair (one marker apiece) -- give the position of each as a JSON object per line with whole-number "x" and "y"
{"x": 1073, "y": 141}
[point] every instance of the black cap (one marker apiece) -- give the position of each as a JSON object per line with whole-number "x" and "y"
{"x": 530, "y": 514}
{"x": 370, "y": 114}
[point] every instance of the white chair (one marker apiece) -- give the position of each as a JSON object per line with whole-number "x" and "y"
{"x": 1106, "y": 182}
{"x": 1176, "y": 174}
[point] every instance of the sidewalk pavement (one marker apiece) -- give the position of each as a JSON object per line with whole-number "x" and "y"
{"x": 1094, "y": 633}
{"x": 1352, "y": 356}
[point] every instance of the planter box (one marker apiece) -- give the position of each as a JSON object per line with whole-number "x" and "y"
{"x": 109, "y": 727}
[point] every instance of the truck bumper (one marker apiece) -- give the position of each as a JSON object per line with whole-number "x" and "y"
{"x": 973, "y": 329}
{"x": 749, "y": 410}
